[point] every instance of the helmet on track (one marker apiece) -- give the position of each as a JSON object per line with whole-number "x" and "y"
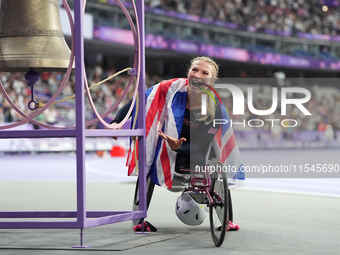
{"x": 189, "y": 211}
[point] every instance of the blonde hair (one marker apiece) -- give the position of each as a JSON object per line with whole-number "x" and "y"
{"x": 209, "y": 61}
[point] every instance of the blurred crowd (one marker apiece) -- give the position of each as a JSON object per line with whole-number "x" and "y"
{"x": 63, "y": 112}
{"x": 289, "y": 16}
{"x": 301, "y": 18}
{"x": 324, "y": 104}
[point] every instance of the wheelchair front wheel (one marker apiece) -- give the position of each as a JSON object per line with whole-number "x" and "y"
{"x": 218, "y": 211}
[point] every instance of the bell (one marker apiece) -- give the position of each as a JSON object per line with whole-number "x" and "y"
{"x": 31, "y": 36}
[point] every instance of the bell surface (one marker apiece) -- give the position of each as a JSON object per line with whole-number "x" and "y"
{"x": 31, "y": 36}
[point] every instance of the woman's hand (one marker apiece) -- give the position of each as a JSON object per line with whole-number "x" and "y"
{"x": 174, "y": 143}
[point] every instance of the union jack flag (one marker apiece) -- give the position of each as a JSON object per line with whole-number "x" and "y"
{"x": 165, "y": 107}
{"x": 225, "y": 146}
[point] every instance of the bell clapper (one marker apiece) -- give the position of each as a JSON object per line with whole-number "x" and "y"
{"x": 31, "y": 78}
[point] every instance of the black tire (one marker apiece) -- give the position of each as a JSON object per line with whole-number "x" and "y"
{"x": 219, "y": 212}
{"x": 149, "y": 191}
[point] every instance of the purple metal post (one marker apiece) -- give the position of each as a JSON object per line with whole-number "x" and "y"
{"x": 141, "y": 113}
{"x": 80, "y": 117}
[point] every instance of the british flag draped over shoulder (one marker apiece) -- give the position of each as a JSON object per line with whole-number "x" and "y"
{"x": 165, "y": 106}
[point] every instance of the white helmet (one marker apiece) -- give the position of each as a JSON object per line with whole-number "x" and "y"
{"x": 189, "y": 211}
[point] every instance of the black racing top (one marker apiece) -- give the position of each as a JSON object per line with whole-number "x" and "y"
{"x": 199, "y": 136}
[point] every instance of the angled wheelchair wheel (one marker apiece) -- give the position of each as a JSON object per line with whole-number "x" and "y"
{"x": 218, "y": 212}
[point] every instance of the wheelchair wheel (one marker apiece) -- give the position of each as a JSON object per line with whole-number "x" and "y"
{"x": 218, "y": 212}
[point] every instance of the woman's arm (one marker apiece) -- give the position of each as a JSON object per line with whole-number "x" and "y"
{"x": 122, "y": 112}
{"x": 174, "y": 143}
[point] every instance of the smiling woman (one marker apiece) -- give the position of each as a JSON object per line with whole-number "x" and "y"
{"x": 178, "y": 135}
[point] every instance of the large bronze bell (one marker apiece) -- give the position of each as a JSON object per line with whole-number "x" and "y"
{"x": 31, "y": 36}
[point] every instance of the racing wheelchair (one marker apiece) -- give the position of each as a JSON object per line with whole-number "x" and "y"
{"x": 207, "y": 187}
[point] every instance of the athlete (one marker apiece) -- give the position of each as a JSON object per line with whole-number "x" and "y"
{"x": 178, "y": 134}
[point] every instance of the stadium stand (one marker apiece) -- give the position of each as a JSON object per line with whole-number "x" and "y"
{"x": 255, "y": 26}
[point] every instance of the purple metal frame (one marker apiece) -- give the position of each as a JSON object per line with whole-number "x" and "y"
{"x": 80, "y": 133}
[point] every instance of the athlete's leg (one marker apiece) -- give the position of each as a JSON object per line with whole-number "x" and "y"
{"x": 231, "y": 225}
{"x": 230, "y": 206}
{"x": 149, "y": 191}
